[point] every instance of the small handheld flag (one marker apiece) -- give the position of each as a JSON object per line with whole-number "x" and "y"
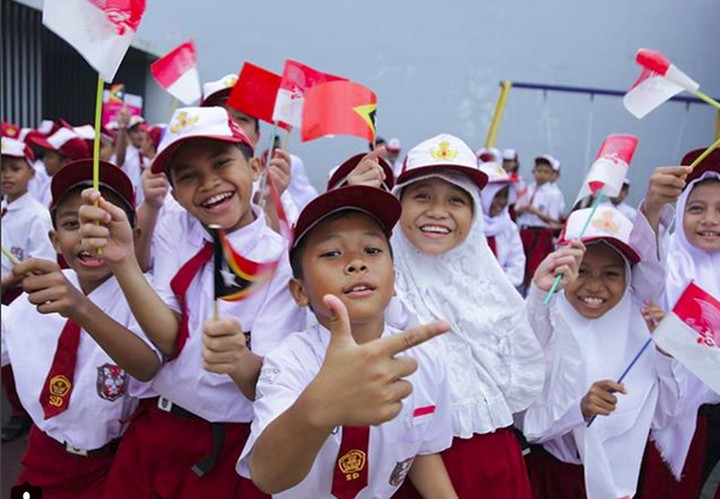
{"x": 339, "y": 108}
{"x": 177, "y": 73}
{"x": 609, "y": 170}
{"x": 255, "y": 93}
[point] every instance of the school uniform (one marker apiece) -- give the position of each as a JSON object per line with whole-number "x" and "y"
{"x": 39, "y": 186}
{"x": 196, "y": 404}
{"x": 69, "y": 453}
{"x": 301, "y": 189}
{"x": 135, "y": 163}
{"x": 422, "y": 427}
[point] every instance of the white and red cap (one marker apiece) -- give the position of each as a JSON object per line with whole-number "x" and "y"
{"x": 17, "y": 149}
{"x": 214, "y": 90}
{"x": 188, "y": 123}
{"x": 377, "y": 203}
{"x": 339, "y": 175}
{"x": 487, "y": 155}
{"x": 608, "y": 224}
{"x": 710, "y": 163}
{"x": 443, "y": 151}
{"x": 393, "y": 145}
{"x": 510, "y": 155}
{"x": 495, "y": 172}
{"x": 65, "y": 141}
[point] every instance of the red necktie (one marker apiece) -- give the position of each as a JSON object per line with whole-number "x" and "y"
{"x": 350, "y": 475}
{"x": 493, "y": 245}
{"x": 55, "y": 395}
{"x": 180, "y": 284}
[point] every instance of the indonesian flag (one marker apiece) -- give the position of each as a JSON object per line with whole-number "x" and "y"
{"x": 101, "y": 30}
{"x": 658, "y": 82}
{"x": 691, "y": 334}
{"x": 255, "y": 93}
{"x": 610, "y": 168}
{"x": 177, "y": 73}
{"x": 339, "y": 108}
{"x": 297, "y": 79}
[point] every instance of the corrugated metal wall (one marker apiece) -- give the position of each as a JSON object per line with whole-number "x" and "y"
{"x": 45, "y": 78}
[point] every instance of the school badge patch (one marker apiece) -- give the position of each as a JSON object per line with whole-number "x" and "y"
{"x": 397, "y": 477}
{"x": 111, "y": 382}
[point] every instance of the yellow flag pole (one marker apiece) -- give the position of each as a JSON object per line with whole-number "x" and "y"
{"x": 13, "y": 259}
{"x": 497, "y": 115}
{"x": 705, "y": 153}
{"x": 96, "y": 140}
{"x": 717, "y": 125}
{"x": 707, "y": 99}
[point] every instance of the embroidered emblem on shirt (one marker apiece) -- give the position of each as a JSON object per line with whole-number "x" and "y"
{"x": 606, "y": 223}
{"x": 269, "y": 375}
{"x": 183, "y": 120}
{"x": 111, "y": 382}
{"x": 352, "y": 463}
{"x": 397, "y": 477}
{"x": 17, "y": 252}
{"x": 230, "y": 81}
{"x": 59, "y": 388}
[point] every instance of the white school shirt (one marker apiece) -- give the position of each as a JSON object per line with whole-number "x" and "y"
{"x": 99, "y": 401}
{"x": 39, "y": 186}
{"x": 270, "y": 313}
{"x": 133, "y": 169}
{"x": 510, "y": 253}
{"x": 290, "y": 368}
{"x": 300, "y": 188}
{"x": 25, "y": 229}
{"x": 545, "y": 198}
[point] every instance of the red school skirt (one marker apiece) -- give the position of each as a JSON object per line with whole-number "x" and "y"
{"x": 160, "y": 449}
{"x": 537, "y": 243}
{"x": 63, "y": 475}
{"x": 488, "y": 466}
{"x": 551, "y": 478}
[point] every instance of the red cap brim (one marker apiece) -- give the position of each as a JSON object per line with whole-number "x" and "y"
{"x": 711, "y": 163}
{"x": 478, "y": 177}
{"x": 80, "y": 172}
{"x": 161, "y": 163}
{"x": 339, "y": 176}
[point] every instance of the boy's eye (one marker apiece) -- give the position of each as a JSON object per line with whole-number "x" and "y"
{"x": 613, "y": 274}
{"x": 694, "y": 209}
{"x": 457, "y": 200}
{"x": 330, "y": 254}
{"x": 582, "y": 271}
{"x": 373, "y": 251}
{"x": 222, "y": 162}
{"x": 421, "y": 196}
{"x": 185, "y": 176}
{"x": 71, "y": 225}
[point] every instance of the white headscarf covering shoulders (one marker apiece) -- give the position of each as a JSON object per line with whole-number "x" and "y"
{"x": 495, "y": 363}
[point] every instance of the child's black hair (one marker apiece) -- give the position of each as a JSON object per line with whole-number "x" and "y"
{"x": 106, "y": 192}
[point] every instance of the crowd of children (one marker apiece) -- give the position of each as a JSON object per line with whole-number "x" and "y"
{"x": 396, "y": 346}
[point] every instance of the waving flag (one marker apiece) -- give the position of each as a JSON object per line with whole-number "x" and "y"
{"x": 691, "y": 334}
{"x": 610, "y": 168}
{"x": 659, "y": 81}
{"x": 177, "y": 73}
{"x": 339, "y": 108}
{"x": 255, "y": 92}
{"x": 297, "y": 79}
{"x": 101, "y": 30}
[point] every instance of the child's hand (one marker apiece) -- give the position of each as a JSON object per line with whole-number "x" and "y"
{"x": 665, "y": 185}
{"x": 565, "y": 261}
{"x": 48, "y": 288}
{"x": 155, "y": 187}
{"x": 653, "y": 314}
{"x": 360, "y": 385}
{"x": 113, "y": 234}
{"x": 599, "y": 400}
{"x": 224, "y": 345}
{"x": 279, "y": 168}
{"x": 368, "y": 170}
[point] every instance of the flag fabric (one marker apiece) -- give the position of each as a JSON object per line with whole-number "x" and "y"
{"x": 100, "y": 30}
{"x": 297, "y": 79}
{"x": 339, "y": 108}
{"x": 609, "y": 170}
{"x": 236, "y": 277}
{"x": 691, "y": 334}
{"x": 177, "y": 73}
{"x": 255, "y": 93}
{"x": 659, "y": 81}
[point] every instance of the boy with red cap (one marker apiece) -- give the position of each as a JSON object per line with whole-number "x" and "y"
{"x": 72, "y": 386}
{"x": 319, "y": 390}
{"x": 208, "y": 160}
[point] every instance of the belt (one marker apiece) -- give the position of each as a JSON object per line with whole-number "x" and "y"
{"x": 534, "y": 227}
{"x": 106, "y": 449}
{"x": 217, "y": 430}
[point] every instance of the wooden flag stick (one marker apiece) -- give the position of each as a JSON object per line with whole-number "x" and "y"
{"x": 13, "y": 259}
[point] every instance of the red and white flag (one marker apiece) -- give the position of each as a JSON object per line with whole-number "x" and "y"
{"x": 177, "y": 73}
{"x": 659, "y": 81}
{"x": 101, "y": 30}
{"x": 297, "y": 79}
{"x": 610, "y": 168}
{"x": 691, "y": 334}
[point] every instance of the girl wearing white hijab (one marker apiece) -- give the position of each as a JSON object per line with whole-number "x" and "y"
{"x": 445, "y": 270}
{"x": 675, "y": 463}
{"x": 591, "y": 332}
{"x": 502, "y": 234}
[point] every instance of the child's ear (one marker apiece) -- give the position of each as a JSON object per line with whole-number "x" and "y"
{"x": 298, "y": 292}
{"x": 55, "y": 241}
{"x": 255, "y": 167}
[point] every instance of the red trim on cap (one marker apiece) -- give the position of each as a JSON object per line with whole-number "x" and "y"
{"x": 709, "y": 164}
{"x": 619, "y": 245}
{"x": 80, "y": 172}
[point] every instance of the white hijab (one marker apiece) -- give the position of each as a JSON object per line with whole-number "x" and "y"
{"x": 467, "y": 287}
{"x": 494, "y": 225}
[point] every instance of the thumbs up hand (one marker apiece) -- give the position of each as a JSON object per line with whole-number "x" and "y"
{"x": 362, "y": 385}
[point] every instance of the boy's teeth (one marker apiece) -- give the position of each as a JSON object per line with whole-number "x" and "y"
{"x": 437, "y": 229}
{"x": 359, "y": 288}
{"x": 591, "y": 300}
{"x": 217, "y": 198}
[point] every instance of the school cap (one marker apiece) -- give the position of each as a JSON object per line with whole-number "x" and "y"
{"x": 65, "y": 141}
{"x": 80, "y": 174}
{"x": 218, "y": 89}
{"x": 377, "y": 203}
{"x": 608, "y": 224}
{"x": 485, "y": 155}
{"x": 510, "y": 155}
{"x": 710, "y": 163}
{"x": 339, "y": 175}
{"x": 10, "y": 130}
{"x": 442, "y": 151}
{"x": 495, "y": 172}
{"x": 17, "y": 149}
{"x": 190, "y": 123}
{"x": 393, "y": 145}
{"x": 554, "y": 163}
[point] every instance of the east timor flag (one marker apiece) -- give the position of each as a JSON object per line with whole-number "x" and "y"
{"x": 339, "y": 108}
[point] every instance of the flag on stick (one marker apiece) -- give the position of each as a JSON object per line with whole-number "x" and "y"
{"x": 255, "y": 93}
{"x": 609, "y": 170}
{"x": 297, "y": 79}
{"x": 339, "y": 108}
{"x": 177, "y": 73}
{"x": 100, "y": 30}
{"x": 691, "y": 334}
